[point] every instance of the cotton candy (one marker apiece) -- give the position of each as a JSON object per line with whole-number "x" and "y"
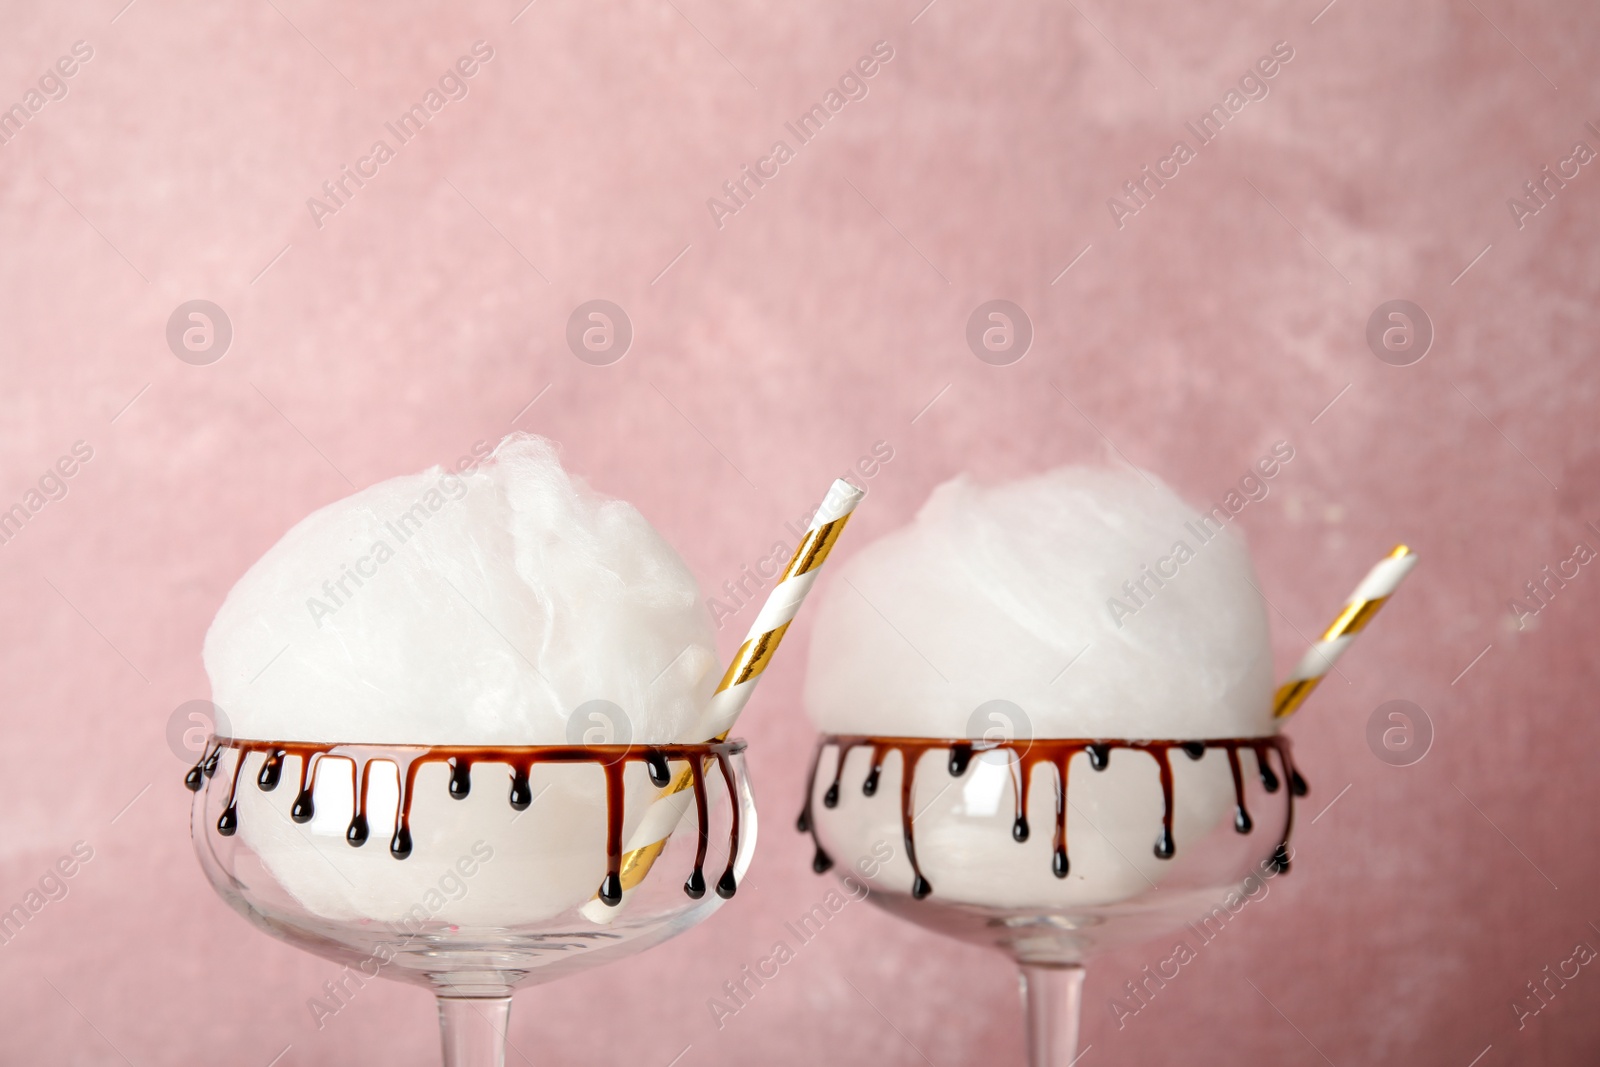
{"x": 1079, "y": 603}
{"x": 508, "y": 604}
{"x": 1019, "y": 592}
{"x": 477, "y": 608}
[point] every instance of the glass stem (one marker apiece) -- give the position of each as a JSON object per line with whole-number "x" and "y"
{"x": 474, "y": 1030}
{"x": 1052, "y": 1000}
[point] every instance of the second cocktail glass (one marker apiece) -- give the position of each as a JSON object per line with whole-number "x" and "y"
{"x": 1145, "y": 837}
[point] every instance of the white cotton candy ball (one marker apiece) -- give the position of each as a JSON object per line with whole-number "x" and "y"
{"x": 968, "y": 619}
{"x": 485, "y": 607}
{"x": 992, "y": 591}
{"x": 467, "y": 609}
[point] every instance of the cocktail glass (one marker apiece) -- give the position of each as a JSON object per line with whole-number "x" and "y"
{"x": 480, "y": 843}
{"x": 1142, "y": 843}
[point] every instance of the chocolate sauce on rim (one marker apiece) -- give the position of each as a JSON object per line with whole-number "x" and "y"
{"x": 612, "y": 759}
{"x": 1058, "y": 753}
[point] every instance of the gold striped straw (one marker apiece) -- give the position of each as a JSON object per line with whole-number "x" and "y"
{"x": 733, "y": 692}
{"x": 1373, "y": 592}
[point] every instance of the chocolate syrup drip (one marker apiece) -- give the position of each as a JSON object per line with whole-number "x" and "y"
{"x": 960, "y": 756}
{"x": 228, "y": 822}
{"x": 1165, "y": 846}
{"x": 1024, "y": 783}
{"x": 521, "y": 791}
{"x": 820, "y": 860}
{"x": 1297, "y": 788}
{"x": 611, "y": 886}
{"x": 660, "y": 773}
{"x": 803, "y": 822}
{"x": 1241, "y": 816}
{"x": 1269, "y": 781}
{"x": 870, "y": 786}
{"x": 357, "y": 832}
{"x": 303, "y": 809}
{"x": 612, "y": 759}
{"x": 727, "y": 885}
{"x": 830, "y": 799}
{"x": 461, "y": 778}
{"x": 1059, "y": 865}
{"x": 1058, "y": 753}
{"x": 696, "y": 885}
{"x": 271, "y": 770}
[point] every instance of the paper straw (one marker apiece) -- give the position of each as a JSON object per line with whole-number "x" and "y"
{"x": 1373, "y": 592}
{"x": 733, "y": 692}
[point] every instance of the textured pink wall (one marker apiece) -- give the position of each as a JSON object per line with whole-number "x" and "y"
{"x": 822, "y": 317}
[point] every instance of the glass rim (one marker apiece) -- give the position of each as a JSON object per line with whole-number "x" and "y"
{"x": 330, "y": 749}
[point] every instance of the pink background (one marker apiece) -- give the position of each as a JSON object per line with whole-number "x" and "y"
{"x": 823, "y": 317}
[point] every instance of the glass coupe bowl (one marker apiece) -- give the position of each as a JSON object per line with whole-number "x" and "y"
{"x": 471, "y": 871}
{"x": 981, "y": 842}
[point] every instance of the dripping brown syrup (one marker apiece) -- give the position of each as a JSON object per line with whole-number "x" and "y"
{"x": 612, "y": 759}
{"x": 1027, "y": 755}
